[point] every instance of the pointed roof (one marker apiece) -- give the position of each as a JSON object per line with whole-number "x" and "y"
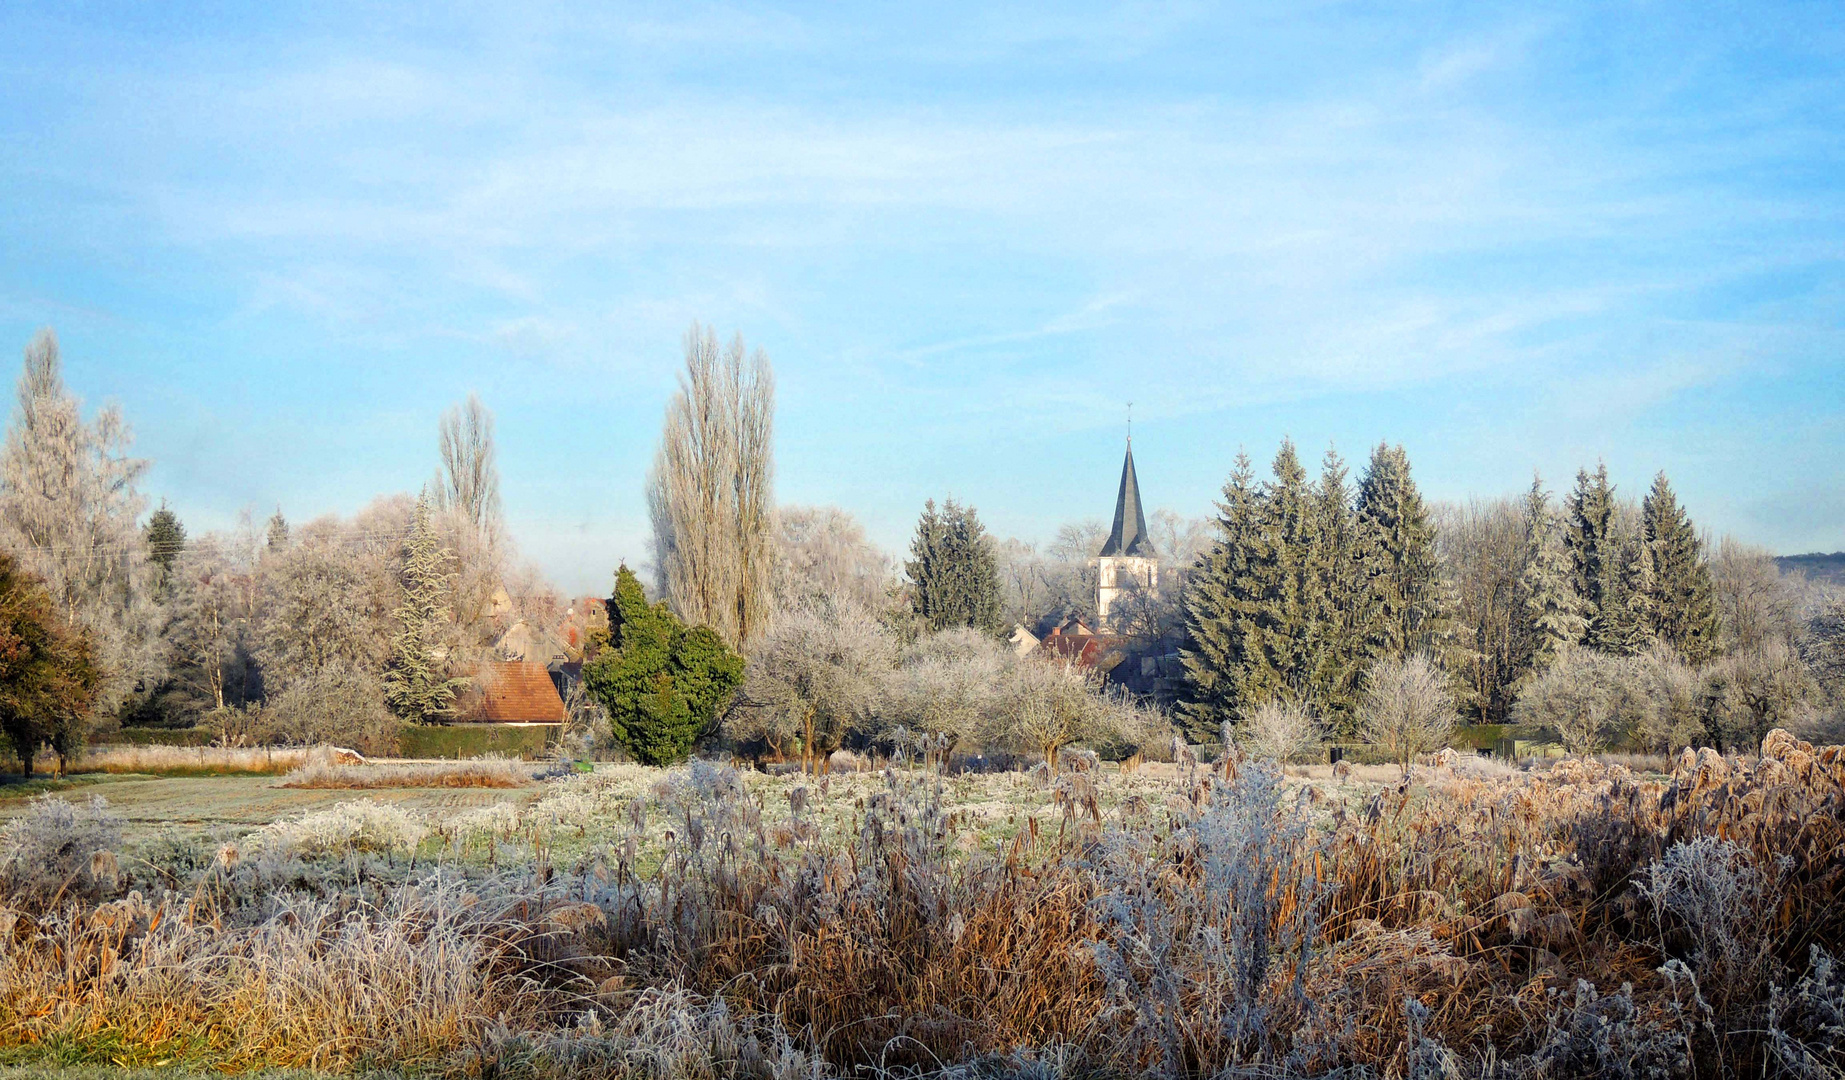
{"x": 1130, "y": 533}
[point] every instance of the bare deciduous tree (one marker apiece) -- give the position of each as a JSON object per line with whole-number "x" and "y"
{"x": 710, "y": 493}
{"x": 69, "y": 509}
{"x": 946, "y": 690}
{"x": 1578, "y": 697}
{"x": 470, "y": 470}
{"x": 467, "y": 493}
{"x": 822, "y": 551}
{"x": 1407, "y": 710}
{"x": 1755, "y": 606}
{"x": 1049, "y": 705}
{"x": 815, "y": 677}
{"x": 1282, "y": 731}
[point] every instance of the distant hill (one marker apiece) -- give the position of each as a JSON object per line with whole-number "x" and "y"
{"x": 1816, "y": 566}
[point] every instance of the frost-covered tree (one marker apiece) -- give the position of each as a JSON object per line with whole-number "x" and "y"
{"x": 1554, "y": 611}
{"x": 416, "y": 682}
{"x": 711, "y": 492}
{"x": 1410, "y": 606}
{"x": 822, "y": 552}
{"x": 814, "y": 679}
{"x": 69, "y": 512}
{"x": 1407, "y": 710}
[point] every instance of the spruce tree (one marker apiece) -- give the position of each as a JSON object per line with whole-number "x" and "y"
{"x": 1409, "y": 613}
{"x": 166, "y": 539}
{"x": 1555, "y": 612}
{"x": 1681, "y": 606}
{"x": 415, "y": 685}
{"x": 1218, "y": 600}
{"x": 1337, "y": 552}
{"x": 1278, "y": 635}
{"x": 953, "y": 569}
{"x": 278, "y": 531}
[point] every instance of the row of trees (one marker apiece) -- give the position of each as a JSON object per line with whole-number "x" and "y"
{"x": 334, "y": 629}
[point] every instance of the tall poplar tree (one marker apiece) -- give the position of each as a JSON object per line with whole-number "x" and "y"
{"x": 416, "y": 686}
{"x": 1409, "y": 613}
{"x": 1680, "y": 600}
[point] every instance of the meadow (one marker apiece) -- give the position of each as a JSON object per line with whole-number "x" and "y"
{"x": 1187, "y": 919}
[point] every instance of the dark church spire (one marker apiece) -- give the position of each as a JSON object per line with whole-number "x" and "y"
{"x": 1130, "y": 533}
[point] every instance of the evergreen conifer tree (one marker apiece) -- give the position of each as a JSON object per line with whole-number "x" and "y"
{"x": 1340, "y": 612}
{"x": 1218, "y": 599}
{"x": 1607, "y": 566}
{"x": 1278, "y": 637}
{"x": 278, "y": 531}
{"x": 1681, "y": 605}
{"x": 415, "y": 684}
{"x": 1406, "y": 592}
{"x": 166, "y": 539}
{"x": 663, "y": 683}
{"x": 953, "y": 569}
{"x": 1556, "y": 613}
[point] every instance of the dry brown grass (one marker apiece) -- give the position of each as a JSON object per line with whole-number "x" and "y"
{"x": 1220, "y": 922}
{"x": 487, "y": 772}
{"x": 193, "y": 759}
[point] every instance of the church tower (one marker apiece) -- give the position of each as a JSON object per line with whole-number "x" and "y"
{"x": 1126, "y": 563}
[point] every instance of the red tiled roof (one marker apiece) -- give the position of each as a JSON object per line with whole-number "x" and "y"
{"x": 514, "y": 692}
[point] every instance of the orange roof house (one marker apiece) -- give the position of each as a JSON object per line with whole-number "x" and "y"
{"x": 512, "y": 692}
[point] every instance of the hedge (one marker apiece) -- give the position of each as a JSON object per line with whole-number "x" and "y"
{"x": 476, "y": 740}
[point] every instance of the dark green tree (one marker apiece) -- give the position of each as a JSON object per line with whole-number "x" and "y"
{"x": 953, "y": 569}
{"x": 1219, "y": 597}
{"x": 166, "y": 540}
{"x": 416, "y": 684}
{"x": 663, "y": 683}
{"x": 49, "y": 678}
{"x": 1337, "y": 554}
{"x": 1680, "y": 601}
{"x": 1406, "y": 592}
{"x": 1278, "y": 638}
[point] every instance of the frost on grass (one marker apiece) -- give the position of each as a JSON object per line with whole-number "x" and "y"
{"x": 59, "y": 851}
{"x": 366, "y": 826}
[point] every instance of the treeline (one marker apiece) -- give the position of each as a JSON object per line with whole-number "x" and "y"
{"x": 1607, "y": 623}
{"x": 331, "y": 630}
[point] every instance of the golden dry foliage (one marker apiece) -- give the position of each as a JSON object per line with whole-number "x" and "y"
{"x": 1578, "y": 921}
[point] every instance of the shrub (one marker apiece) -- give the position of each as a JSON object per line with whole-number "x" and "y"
{"x": 57, "y": 851}
{"x": 1280, "y": 731}
{"x": 661, "y": 681}
{"x": 341, "y": 705}
{"x": 1711, "y": 895}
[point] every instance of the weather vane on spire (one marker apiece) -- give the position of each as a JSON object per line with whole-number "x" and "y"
{"x": 1130, "y": 423}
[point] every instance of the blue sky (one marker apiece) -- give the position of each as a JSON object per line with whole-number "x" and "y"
{"x": 1511, "y": 237}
